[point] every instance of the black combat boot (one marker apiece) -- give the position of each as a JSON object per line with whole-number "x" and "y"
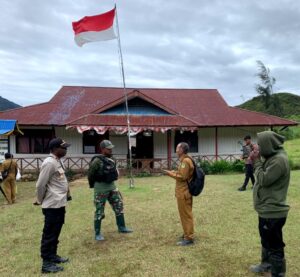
{"x": 278, "y": 267}
{"x": 50, "y": 267}
{"x": 121, "y": 224}
{"x": 58, "y": 259}
{"x": 265, "y": 265}
{"x": 242, "y": 188}
{"x": 97, "y": 225}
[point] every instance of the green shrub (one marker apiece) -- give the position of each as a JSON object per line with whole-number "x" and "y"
{"x": 220, "y": 167}
{"x": 142, "y": 174}
{"x": 205, "y": 165}
{"x": 70, "y": 174}
{"x": 238, "y": 166}
{"x": 288, "y": 133}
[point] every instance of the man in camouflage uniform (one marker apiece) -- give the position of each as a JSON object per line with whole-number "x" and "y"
{"x": 182, "y": 175}
{"x": 101, "y": 175}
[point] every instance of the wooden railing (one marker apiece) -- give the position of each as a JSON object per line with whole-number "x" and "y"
{"x": 81, "y": 164}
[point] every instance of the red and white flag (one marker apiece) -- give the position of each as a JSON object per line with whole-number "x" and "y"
{"x": 95, "y": 28}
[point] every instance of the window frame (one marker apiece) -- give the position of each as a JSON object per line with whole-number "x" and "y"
{"x": 32, "y": 136}
{"x": 191, "y": 138}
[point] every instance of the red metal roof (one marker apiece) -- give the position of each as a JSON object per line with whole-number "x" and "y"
{"x": 201, "y": 107}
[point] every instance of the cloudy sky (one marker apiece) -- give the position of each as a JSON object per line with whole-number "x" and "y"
{"x": 165, "y": 44}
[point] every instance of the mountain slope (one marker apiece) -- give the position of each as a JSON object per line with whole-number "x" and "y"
{"x": 289, "y": 105}
{"x": 7, "y": 105}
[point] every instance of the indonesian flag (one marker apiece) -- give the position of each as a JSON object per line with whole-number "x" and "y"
{"x": 94, "y": 28}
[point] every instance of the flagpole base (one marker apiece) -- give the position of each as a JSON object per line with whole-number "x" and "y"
{"x": 131, "y": 183}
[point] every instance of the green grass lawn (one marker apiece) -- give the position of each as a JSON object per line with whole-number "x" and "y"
{"x": 293, "y": 149}
{"x": 227, "y": 239}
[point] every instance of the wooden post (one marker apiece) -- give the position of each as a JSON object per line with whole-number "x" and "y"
{"x": 216, "y": 144}
{"x": 169, "y": 148}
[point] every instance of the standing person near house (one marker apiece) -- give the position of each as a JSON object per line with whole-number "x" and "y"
{"x": 182, "y": 175}
{"x": 52, "y": 193}
{"x": 9, "y": 183}
{"x": 247, "y": 148}
{"x": 101, "y": 176}
{"x": 269, "y": 195}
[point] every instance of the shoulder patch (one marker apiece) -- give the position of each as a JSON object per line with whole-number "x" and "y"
{"x": 183, "y": 165}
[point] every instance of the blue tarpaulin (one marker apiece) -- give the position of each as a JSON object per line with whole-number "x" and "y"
{"x": 8, "y": 127}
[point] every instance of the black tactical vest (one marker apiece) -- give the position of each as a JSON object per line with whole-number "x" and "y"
{"x": 109, "y": 171}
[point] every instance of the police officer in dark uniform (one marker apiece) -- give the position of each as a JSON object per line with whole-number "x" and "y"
{"x": 101, "y": 175}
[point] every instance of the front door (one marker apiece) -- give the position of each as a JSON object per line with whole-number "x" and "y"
{"x": 144, "y": 145}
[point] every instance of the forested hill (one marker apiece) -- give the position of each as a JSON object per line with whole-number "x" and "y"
{"x": 287, "y": 105}
{"x": 7, "y": 105}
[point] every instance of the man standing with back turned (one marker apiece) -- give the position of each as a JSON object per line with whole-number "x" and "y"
{"x": 182, "y": 175}
{"x": 52, "y": 193}
{"x": 269, "y": 195}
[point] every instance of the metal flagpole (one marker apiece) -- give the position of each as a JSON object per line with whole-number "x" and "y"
{"x": 131, "y": 183}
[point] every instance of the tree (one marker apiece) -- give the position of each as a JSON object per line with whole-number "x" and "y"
{"x": 265, "y": 89}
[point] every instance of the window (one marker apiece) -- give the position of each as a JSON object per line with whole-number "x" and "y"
{"x": 190, "y": 138}
{"x": 3, "y": 147}
{"x": 91, "y": 141}
{"x": 34, "y": 141}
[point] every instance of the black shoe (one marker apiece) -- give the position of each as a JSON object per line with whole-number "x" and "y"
{"x": 57, "y": 259}
{"x": 242, "y": 189}
{"x": 185, "y": 242}
{"x": 260, "y": 268}
{"x": 99, "y": 237}
{"x": 50, "y": 267}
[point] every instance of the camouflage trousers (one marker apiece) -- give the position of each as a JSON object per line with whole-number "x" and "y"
{"x": 115, "y": 200}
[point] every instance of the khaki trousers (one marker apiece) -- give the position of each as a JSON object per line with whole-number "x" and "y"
{"x": 9, "y": 187}
{"x": 186, "y": 216}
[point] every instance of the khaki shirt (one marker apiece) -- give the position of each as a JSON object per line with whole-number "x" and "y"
{"x": 183, "y": 174}
{"x": 13, "y": 168}
{"x": 52, "y": 185}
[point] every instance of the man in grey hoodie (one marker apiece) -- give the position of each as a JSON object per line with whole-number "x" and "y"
{"x": 272, "y": 175}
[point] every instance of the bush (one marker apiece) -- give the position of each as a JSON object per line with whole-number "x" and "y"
{"x": 70, "y": 174}
{"x": 288, "y": 133}
{"x": 220, "y": 167}
{"x": 238, "y": 166}
{"x": 205, "y": 165}
{"x": 142, "y": 174}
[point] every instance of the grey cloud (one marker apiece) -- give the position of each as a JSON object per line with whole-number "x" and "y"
{"x": 188, "y": 44}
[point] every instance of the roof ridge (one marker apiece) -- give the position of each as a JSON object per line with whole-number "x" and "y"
{"x": 138, "y": 88}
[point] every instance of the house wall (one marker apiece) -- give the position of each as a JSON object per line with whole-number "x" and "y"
{"x": 160, "y": 145}
{"x": 120, "y": 142}
{"x": 206, "y": 141}
{"x": 72, "y": 137}
{"x": 228, "y": 139}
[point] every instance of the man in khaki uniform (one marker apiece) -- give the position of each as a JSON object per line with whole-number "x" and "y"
{"x": 9, "y": 183}
{"x": 182, "y": 175}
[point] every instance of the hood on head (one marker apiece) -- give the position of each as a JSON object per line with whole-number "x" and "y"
{"x": 269, "y": 143}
